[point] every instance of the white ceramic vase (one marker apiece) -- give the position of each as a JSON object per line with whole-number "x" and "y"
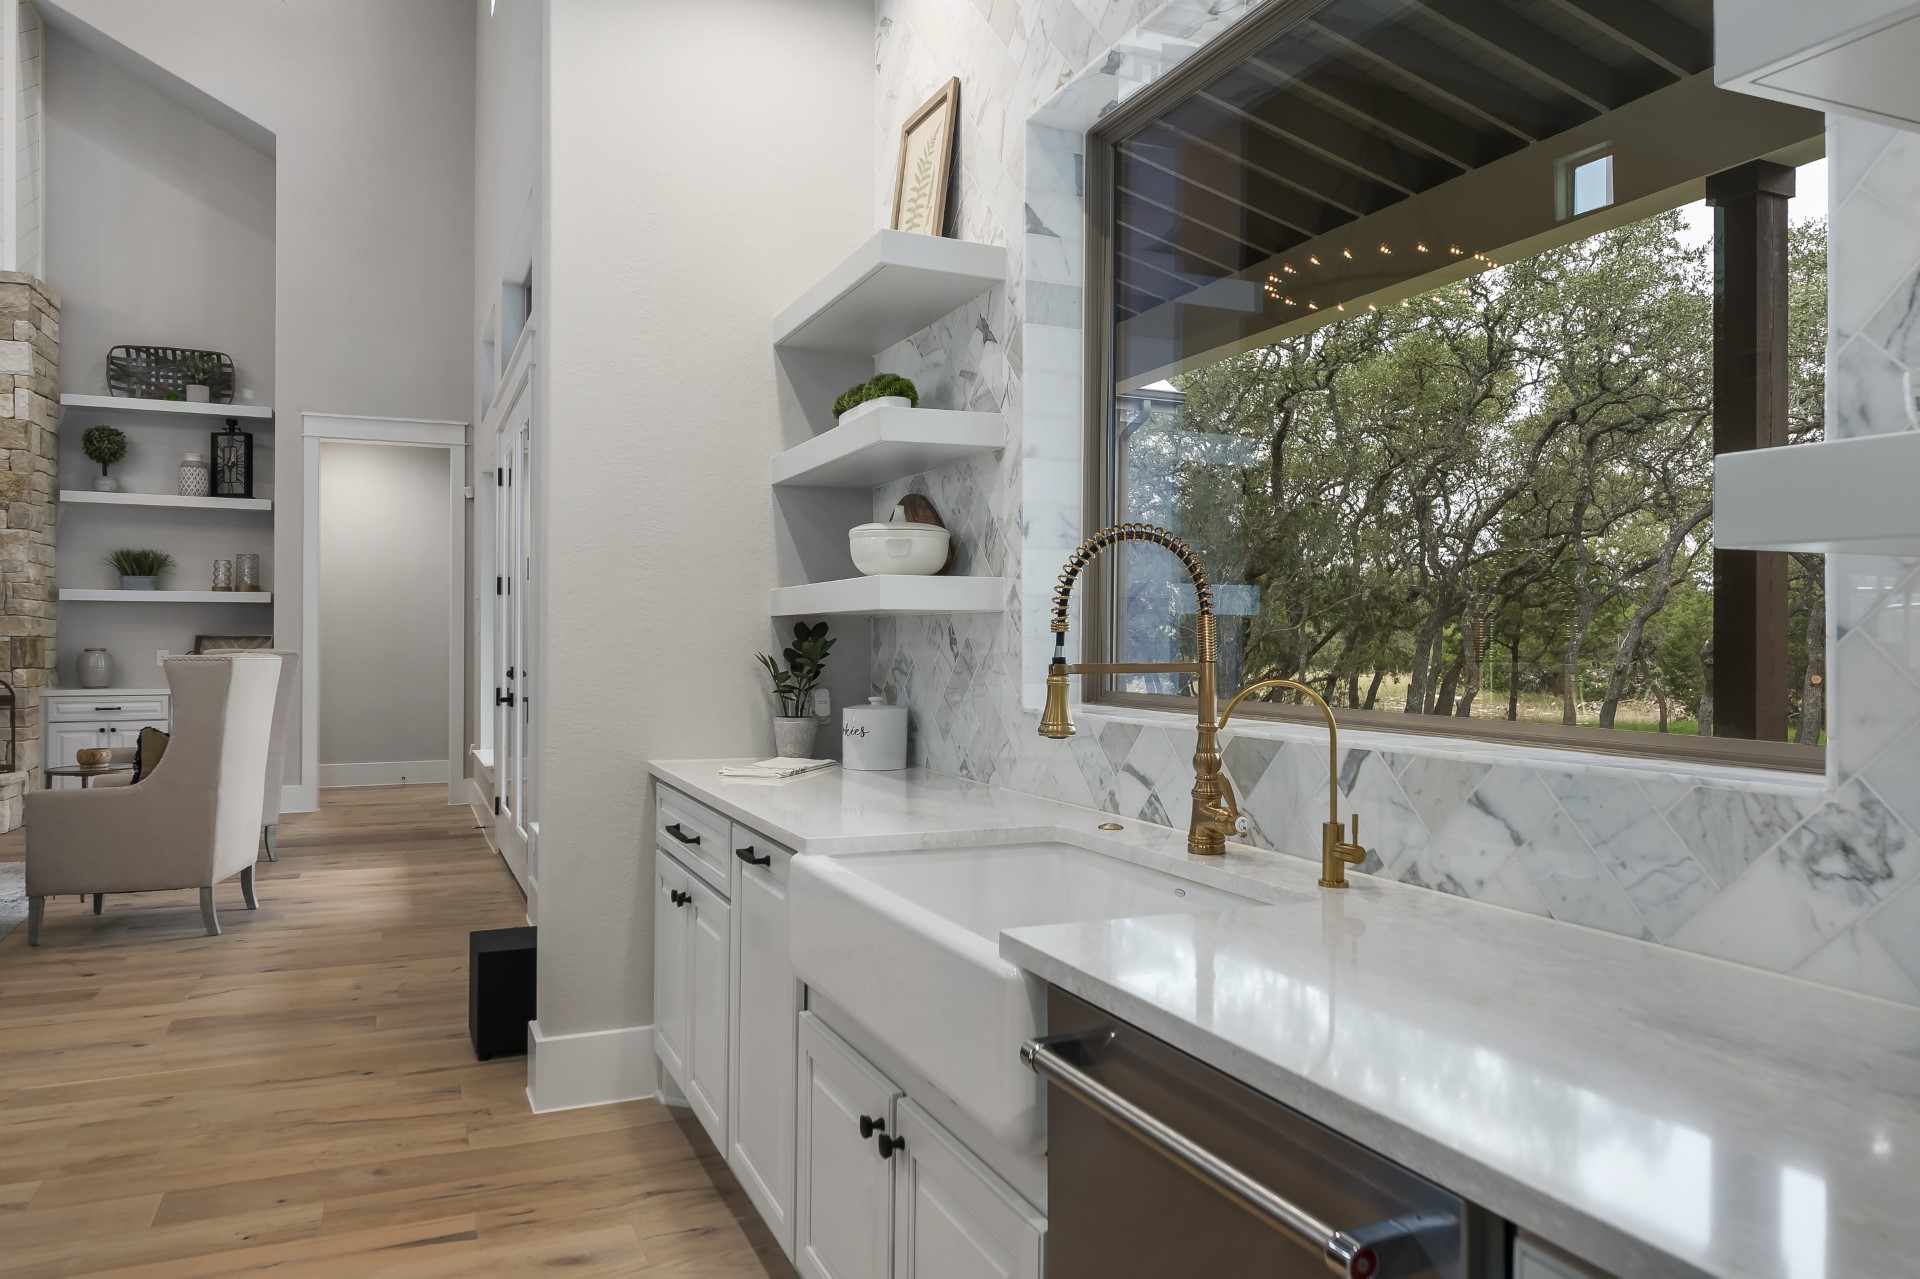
{"x": 793, "y": 736}
{"x": 96, "y": 668}
{"x": 105, "y": 484}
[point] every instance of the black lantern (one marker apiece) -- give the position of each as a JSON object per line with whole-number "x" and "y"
{"x": 233, "y": 461}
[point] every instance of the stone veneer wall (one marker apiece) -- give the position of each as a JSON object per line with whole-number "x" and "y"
{"x": 29, "y": 442}
{"x": 1816, "y": 877}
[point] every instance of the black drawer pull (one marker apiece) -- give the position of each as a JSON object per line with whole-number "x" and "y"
{"x": 870, "y": 1126}
{"x": 890, "y": 1144}
{"x": 674, "y": 830}
{"x": 108, "y": 708}
{"x": 746, "y": 855}
{"x": 679, "y": 898}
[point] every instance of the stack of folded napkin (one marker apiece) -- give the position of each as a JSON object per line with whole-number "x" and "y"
{"x": 776, "y": 768}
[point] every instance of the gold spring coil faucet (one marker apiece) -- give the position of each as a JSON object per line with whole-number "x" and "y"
{"x": 1216, "y": 813}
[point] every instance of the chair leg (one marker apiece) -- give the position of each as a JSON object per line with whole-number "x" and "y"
{"x": 246, "y": 887}
{"x": 273, "y": 854}
{"x": 206, "y": 912}
{"x": 36, "y": 911}
{"x": 97, "y": 899}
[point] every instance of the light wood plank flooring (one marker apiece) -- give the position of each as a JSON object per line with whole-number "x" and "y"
{"x": 299, "y": 1095}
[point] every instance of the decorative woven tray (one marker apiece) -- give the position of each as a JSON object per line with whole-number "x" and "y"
{"x": 155, "y": 373}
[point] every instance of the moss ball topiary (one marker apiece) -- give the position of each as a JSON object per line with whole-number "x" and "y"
{"x": 875, "y": 388}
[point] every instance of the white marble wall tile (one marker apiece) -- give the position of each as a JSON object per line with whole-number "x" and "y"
{"x": 1649, "y": 862}
{"x": 1727, "y": 830}
{"x": 1390, "y": 829}
{"x": 1471, "y": 852}
{"x": 1872, "y": 248}
{"x": 1858, "y": 961}
{"x": 1866, "y": 392}
{"x": 1895, "y": 925}
{"x": 1853, "y": 146}
{"x": 1874, "y": 701}
{"x": 1574, "y": 885}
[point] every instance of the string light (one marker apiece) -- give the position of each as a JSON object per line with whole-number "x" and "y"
{"x": 1313, "y": 259}
{"x": 1420, "y": 247}
{"x": 1347, "y": 254}
{"x": 1384, "y": 249}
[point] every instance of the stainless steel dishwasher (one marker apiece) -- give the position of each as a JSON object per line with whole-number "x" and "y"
{"x": 1159, "y": 1165}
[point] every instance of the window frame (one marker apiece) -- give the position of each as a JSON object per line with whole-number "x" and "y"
{"x": 1098, "y": 620}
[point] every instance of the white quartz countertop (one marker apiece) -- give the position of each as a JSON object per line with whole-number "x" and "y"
{"x": 1652, "y": 1111}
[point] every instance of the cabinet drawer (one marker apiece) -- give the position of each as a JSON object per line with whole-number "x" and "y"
{"x": 106, "y": 706}
{"x": 695, "y": 834}
{"x": 752, "y": 849}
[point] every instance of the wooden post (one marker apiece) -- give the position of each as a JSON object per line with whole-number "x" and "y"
{"x": 1750, "y": 412}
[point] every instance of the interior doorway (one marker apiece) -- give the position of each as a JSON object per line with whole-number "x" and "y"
{"x": 383, "y": 616}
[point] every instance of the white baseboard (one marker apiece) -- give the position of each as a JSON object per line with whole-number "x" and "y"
{"x": 389, "y": 773}
{"x": 595, "y": 1068}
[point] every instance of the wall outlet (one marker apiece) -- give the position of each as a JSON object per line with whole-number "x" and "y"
{"x": 160, "y": 656}
{"x": 822, "y": 703}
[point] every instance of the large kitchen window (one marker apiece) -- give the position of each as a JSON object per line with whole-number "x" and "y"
{"x": 1423, "y": 322}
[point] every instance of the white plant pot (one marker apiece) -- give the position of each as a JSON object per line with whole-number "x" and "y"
{"x": 859, "y": 411}
{"x": 197, "y": 394}
{"x": 106, "y": 484}
{"x": 916, "y": 549}
{"x": 793, "y": 736}
{"x": 139, "y": 583}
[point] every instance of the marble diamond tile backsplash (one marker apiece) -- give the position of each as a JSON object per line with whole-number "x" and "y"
{"x": 1785, "y": 874}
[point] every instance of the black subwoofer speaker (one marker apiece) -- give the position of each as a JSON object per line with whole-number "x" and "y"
{"x": 500, "y": 990}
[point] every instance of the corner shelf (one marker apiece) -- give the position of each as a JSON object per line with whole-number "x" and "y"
{"x": 890, "y": 288}
{"x": 888, "y": 444}
{"x": 76, "y": 595}
{"x": 87, "y": 497}
{"x": 126, "y": 403}
{"x": 1852, "y": 496}
{"x": 896, "y": 595}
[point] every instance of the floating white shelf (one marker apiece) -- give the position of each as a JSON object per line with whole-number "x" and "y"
{"x": 888, "y": 444}
{"x": 893, "y": 595}
{"x": 71, "y": 595}
{"x": 894, "y": 285}
{"x": 129, "y": 404}
{"x": 89, "y": 497}
{"x": 1839, "y": 496}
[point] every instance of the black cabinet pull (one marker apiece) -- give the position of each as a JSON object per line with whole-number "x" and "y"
{"x": 109, "y": 708}
{"x": 889, "y": 1144}
{"x": 674, "y": 830}
{"x": 746, "y": 855}
{"x": 870, "y": 1126}
{"x": 679, "y": 898}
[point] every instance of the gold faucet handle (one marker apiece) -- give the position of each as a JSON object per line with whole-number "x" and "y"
{"x": 1353, "y": 853}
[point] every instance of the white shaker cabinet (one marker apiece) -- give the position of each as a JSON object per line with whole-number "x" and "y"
{"x": 843, "y": 1209}
{"x": 765, "y": 1005}
{"x": 100, "y": 717}
{"x": 692, "y": 957}
{"x": 952, "y": 1218}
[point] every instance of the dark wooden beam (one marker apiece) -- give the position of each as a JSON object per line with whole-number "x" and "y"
{"x": 1750, "y": 412}
{"x": 1279, "y": 159}
{"x": 1380, "y": 106}
{"x": 1649, "y": 30}
{"x": 1535, "y": 52}
{"x": 1140, "y": 177}
{"x": 1266, "y": 100}
{"x": 1219, "y": 169}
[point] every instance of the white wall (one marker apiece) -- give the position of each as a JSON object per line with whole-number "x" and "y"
{"x": 384, "y": 597}
{"x": 163, "y": 226}
{"x": 371, "y": 108}
{"x": 706, "y": 161}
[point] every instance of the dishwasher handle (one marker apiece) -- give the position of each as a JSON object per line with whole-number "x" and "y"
{"x": 1344, "y": 1254}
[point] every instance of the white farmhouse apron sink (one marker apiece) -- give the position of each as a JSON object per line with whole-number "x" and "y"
{"x": 907, "y": 943}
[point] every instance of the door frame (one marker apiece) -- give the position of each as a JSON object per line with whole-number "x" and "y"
{"x": 315, "y": 430}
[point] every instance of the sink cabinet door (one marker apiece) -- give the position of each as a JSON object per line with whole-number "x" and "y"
{"x": 670, "y": 1023}
{"x": 952, "y": 1217}
{"x": 709, "y": 961}
{"x": 844, "y": 1197}
{"x": 765, "y": 1004}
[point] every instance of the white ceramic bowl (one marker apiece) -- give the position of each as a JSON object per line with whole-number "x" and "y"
{"x": 918, "y": 549}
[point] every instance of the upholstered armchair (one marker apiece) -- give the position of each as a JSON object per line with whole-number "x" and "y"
{"x": 277, "y": 744}
{"x": 193, "y": 822}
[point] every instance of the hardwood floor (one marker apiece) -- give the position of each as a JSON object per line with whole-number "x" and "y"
{"x": 299, "y": 1095}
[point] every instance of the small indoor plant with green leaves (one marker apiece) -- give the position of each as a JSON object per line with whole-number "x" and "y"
{"x": 198, "y": 369}
{"x": 877, "y": 392}
{"x": 140, "y": 570}
{"x": 794, "y": 686}
{"x": 105, "y": 445}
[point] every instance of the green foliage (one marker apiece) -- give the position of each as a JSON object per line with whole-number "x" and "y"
{"x": 882, "y": 385}
{"x": 199, "y": 368}
{"x": 806, "y": 660}
{"x": 141, "y": 563}
{"x": 105, "y": 445}
{"x": 1494, "y": 499}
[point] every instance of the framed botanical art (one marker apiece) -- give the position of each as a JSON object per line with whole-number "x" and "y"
{"x": 926, "y": 163}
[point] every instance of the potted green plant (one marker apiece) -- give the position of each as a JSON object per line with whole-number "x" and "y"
{"x": 793, "y": 688}
{"x": 199, "y": 369}
{"x": 882, "y": 391}
{"x": 105, "y": 445}
{"x": 140, "y": 570}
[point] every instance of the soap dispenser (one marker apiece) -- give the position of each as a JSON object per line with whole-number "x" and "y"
{"x": 873, "y": 738}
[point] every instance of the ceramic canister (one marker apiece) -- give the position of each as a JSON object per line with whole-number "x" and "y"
{"x": 873, "y": 738}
